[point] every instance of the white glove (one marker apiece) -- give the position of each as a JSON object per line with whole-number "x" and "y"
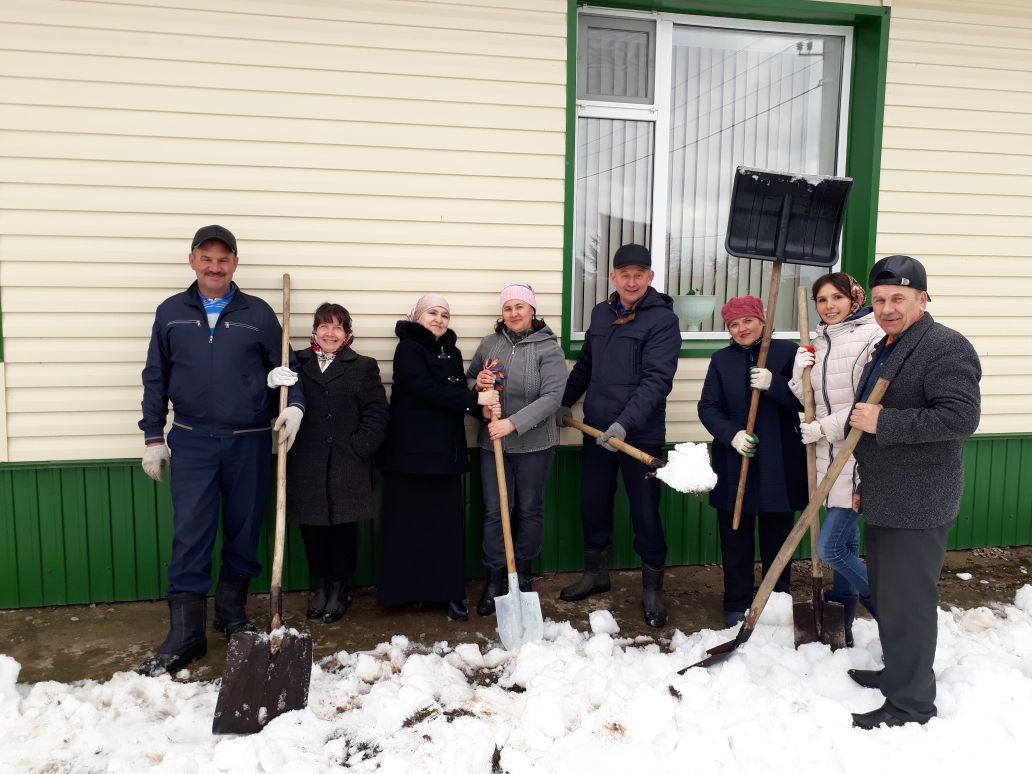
{"x": 487, "y": 397}
{"x": 156, "y": 460}
{"x": 744, "y": 443}
{"x": 804, "y": 358}
{"x": 287, "y": 424}
{"x": 281, "y": 376}
{"x": 811, "y": 431}
{"x": 759, "y": 378}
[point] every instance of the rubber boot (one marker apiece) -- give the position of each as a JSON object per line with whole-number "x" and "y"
{"x": 317, "y": 600}
{"x": 230, "y": 604}
{"x": 187, "y": 614}
{"x": 338, "y": 600}
{"x": 595, "y": 579}
{"x": 525, "y": 574}
{"x": 848, "y": 602}
{"x": 494, "y": 586}
{"x": 652, "y": 600}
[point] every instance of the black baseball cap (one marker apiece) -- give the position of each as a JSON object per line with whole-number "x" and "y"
{"x": 218, "y": 233}
{"x": 899, "y": 270}
{"x": 632, "y": 255}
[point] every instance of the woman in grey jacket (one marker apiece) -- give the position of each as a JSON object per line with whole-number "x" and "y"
{"x": 522, "y": 359}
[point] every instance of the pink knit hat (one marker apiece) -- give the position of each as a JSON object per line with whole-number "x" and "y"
{"x": 742, "y": 306}
{"x": 429, "y": 301}
{"x": 518, "y": 291}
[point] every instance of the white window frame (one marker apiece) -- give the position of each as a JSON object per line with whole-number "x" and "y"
{"x": 659, "y": 114}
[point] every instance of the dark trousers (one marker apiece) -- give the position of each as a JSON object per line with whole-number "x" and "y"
{"x": 738, "y": 553}
{"x": 904, "y": 567}
{"x": 331, "y": 550}
{"x": 526, "y": 476}
{"x": 207, "y": 473}
{"x": 598, "y": 489}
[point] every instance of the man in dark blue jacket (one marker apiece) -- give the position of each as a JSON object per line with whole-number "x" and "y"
{"x": 627, "y": 368}
{"x": 214, "y": 353}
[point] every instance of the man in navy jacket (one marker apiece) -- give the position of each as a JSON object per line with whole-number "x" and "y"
{"x": 627, "y": 368}
{"x": 214, "y": 353}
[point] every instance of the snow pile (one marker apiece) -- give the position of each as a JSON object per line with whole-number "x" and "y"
{"x": 575, "y": 702}
{"x": 688, "y": 469}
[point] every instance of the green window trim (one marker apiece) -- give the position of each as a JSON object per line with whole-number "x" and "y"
{"x": 863, "y": 139}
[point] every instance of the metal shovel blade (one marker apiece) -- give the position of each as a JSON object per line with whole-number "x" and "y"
{"x": 822, "y": 622}
{"x": 266, "y": 674}
{"x": 519, "y": 615}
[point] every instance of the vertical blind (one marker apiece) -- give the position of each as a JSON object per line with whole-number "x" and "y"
{"x": 742, "y": 98}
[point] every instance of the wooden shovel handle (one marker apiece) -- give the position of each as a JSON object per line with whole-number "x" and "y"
{"x": 276, "y": 588}
{"x": 503, "y": 501}
{"x": 809, "y": 412}
{"x": 626, "y": 448}
{"x": 809, "y": 515}
{"x": 754, "y": 403}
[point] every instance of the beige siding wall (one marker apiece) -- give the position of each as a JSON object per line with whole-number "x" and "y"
{"x": 956, "y": 186}
{"x": 375, "y": 150}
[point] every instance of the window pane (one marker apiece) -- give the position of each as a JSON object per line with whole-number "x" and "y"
{"x": 616, "y": 59}
{"x": 614, "y": 203}
{"x": 740, "y": 97}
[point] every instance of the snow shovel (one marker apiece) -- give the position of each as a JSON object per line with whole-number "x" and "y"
{"x": 782, "y": 217}
{"x": 720, "y": 652}
{"x": 267, "y": 674}
{"x": 518, "y": 612}
{"x": 816, "y": 620}
{"x": 645, "y": 459}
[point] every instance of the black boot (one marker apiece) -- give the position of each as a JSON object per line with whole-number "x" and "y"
{"x": 338, "y": 600}
{"x": 524, "y": 574}
{"x": 185, "y": 641}
{"x": 595, "y": 579}
{"x": 493, "y": 587}
{"x": 317, "y": 600}
{"x": 848, "y": 602}
{"x": 457, "y": 610}
{"x": 652, "y": 600}
{"x": 230, "y": 604}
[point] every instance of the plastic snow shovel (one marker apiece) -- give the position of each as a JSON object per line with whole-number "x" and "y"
{"x": 816, "y": 620}
{"x": 785, "y": 218}
{"x": 645, "y": 459}
{"x": 518, "y": 612}
{"x": 720, "y": 652}
{"x": 267, "y": 674}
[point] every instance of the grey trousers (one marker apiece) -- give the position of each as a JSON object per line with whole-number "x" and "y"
{"x": 904, "y": 567}
{"x": 526, "y": 476}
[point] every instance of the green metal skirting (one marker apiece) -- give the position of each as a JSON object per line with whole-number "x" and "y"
{"x": 102, "y": 531}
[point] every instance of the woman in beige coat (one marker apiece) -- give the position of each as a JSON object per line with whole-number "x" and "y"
{"x": 845, "y": 339}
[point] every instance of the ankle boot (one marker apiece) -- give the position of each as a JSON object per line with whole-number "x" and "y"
{"x": 595, "y": 579}
{"x": 524, "y": 574}
{"x": 337, "y": 601}
{"x": 652, "y": 598}
{"x": 317, "y": 599}
{"x": 493, "y": 587}
{"x": 230, "y": 604}
{"x": 185, "y": 640}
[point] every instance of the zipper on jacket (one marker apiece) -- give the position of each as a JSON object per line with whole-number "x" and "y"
{"x": 824, "y": 373}
{"x": 229, "y": 324}
{"x": 183, "y": 322}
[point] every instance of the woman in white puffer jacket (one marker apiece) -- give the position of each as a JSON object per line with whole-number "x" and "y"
{"x": 846, "y": 336}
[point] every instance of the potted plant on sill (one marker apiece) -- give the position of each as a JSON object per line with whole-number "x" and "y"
{"x": 694, "y": 308}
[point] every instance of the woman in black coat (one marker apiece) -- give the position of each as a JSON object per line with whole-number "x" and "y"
{"x": 329, "y": 486}
{"x": 776, "y": 486}
{"x": 422, "y": 460}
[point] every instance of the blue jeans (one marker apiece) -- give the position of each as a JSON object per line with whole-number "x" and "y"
{"x": 526, "y": 476}
{"x": 839, "y": 548}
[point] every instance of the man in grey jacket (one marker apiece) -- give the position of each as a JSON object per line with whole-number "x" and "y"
{"x": 912, "y": 477}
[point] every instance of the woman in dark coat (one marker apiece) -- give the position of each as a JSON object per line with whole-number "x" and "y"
{"x": 329, "y": 489}
{"x": 776, "y": 486}
{"x": 422, "y": 460}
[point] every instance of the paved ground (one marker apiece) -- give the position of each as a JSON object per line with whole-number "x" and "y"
{"x": 95, "y": 641}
